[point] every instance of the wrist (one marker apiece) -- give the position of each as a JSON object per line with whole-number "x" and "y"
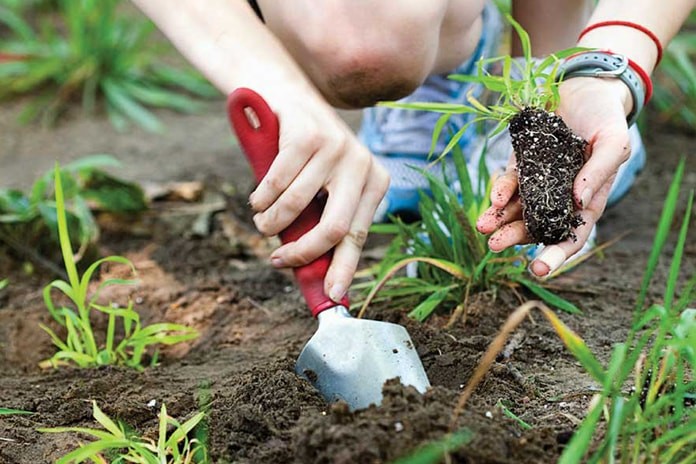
{"x": 632, "y": 43}
{"x": 630, "y": 83}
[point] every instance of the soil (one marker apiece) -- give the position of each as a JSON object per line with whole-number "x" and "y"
{"x": 549, "y": 157}
{"x": 253, "y": 323}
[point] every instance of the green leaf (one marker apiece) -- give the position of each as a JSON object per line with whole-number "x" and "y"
{"x": 4, "y": 283}
{"x": 549, "y": 297}
{"x": 9, "y": 412}
{"x": 111, "y": 194}
{"x": 580, "y": 441}
{"x": 426, "y": 307}
{"x": 434, "y": 452}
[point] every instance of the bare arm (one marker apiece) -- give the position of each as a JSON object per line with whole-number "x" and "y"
{"x": 317, "y": 151}
{"x": 596, "y": 109}
{"x": 226, "y": 41}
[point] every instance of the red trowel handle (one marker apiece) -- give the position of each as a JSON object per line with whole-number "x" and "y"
{"x": 259, "y": 140}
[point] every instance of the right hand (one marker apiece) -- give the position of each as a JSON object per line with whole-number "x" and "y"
{"x": 318, "y": 152}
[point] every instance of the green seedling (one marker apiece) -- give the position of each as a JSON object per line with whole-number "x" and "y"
{"x": 654, "y": 420}
{"x": 512, "y": 415}
{"x": 97, "y": 53}
{"x": 439, "y": 450}
{"x": 452, "y": 258}
{"x": 28, "y": 221}
{"x": 115, "y": 445}
{"x": 80, "y": 347}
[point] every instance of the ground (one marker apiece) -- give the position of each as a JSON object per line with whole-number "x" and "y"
{"x": 253, "y": 323}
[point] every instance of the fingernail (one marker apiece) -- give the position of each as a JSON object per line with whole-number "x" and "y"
{"x": 277, "y": 262}
{"x": 553, "y": 256}
{"x": 337, "y": 292}
{"x": 251, "y": 198}
{"x": 585, "y": 198}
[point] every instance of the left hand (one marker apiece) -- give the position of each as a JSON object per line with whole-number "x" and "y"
{"x": 595, "y": 109}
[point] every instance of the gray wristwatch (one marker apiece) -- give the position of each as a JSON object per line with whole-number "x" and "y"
{"x": 611, "y": 65}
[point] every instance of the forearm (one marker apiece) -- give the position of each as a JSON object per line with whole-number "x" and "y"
{"x": 551, "y": 25}
{"x": 662, "y": 18}
{"x": 228, "y": 44}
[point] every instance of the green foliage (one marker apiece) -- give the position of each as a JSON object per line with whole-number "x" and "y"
{"x": 27, "y": 220}
{"x": 656, "y": 420}
{"x": 4, "y": 283}
{"x": 452, "y": 256}
{"x": 675, "y": 79}
{"x": 434, "y": 452}
{"x": 12, "y": 412}
{"x": 96, "y": 51}
{"x": 81, "y": 347}
{"x": 536, "y": 87}
{"x": 173, "y": 445}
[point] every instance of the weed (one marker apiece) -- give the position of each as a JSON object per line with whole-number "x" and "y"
{"x": 654, "y": 421}
{"x": 173, "y": 445}
{"x": 80, "y": 347}
{"x": 452, "y": 258}
{"x": 457, "y": 256}
{"x": 96, "y": 51}
{"x": 434, "y": 452}
{"x": 28, "y": 221}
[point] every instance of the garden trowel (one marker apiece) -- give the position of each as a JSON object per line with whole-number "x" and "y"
{"x": 347, "y": 358}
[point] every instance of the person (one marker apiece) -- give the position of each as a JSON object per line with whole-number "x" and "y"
{"x": 307, "y": 58}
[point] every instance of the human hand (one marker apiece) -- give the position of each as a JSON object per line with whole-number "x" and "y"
{"x": 319, "y": 153}
{"x": 594, "y": 109}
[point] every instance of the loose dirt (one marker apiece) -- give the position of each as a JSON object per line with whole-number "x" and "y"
{"x": 253, "y": 325}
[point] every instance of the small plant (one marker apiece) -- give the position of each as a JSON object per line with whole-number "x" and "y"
{"x": 675, "y": 82}
{"x": 548, "y": 154}
{"x": 654, "y": 421}
{"x": 28, "y": 221}
{"x": 115, "y": 445}
{"x": 452, "y": 258}
{"x": 80, "y": 348}
{"x": 96, "y": 52}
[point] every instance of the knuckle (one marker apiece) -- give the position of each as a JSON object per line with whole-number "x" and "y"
{"x": 358, "y": 237}
{"x": 336, "y": 230}
{"x": 274, "y": 183}
{"x": 293, "y": 202}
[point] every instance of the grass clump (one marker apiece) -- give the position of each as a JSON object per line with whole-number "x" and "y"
{"x": 115, "y": 444}
{"x": 452, "y": 258}
{"x": 655, "y": 419}
{"x": 647, "y": 390}
{"x": 675, "y": 79}
{"x": 28, "y": 220}
{"x": 80, "y": 347}
{"x": 95, "y": 53}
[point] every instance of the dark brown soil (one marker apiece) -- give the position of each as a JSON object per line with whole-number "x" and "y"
{"x": 549, "y": 156}
{"x": 253, "y": 325}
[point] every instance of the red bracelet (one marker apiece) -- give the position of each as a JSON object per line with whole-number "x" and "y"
{"x": 645, "y": 77}
{"x": 636, "y": 26}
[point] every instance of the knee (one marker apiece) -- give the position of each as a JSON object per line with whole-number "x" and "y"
{"x": 363, "y": 65}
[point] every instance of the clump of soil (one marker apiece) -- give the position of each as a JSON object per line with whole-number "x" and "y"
{"x": 549, "y": 156}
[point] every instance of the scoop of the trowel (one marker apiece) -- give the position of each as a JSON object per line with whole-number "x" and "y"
{"x": 350, "y": 359}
